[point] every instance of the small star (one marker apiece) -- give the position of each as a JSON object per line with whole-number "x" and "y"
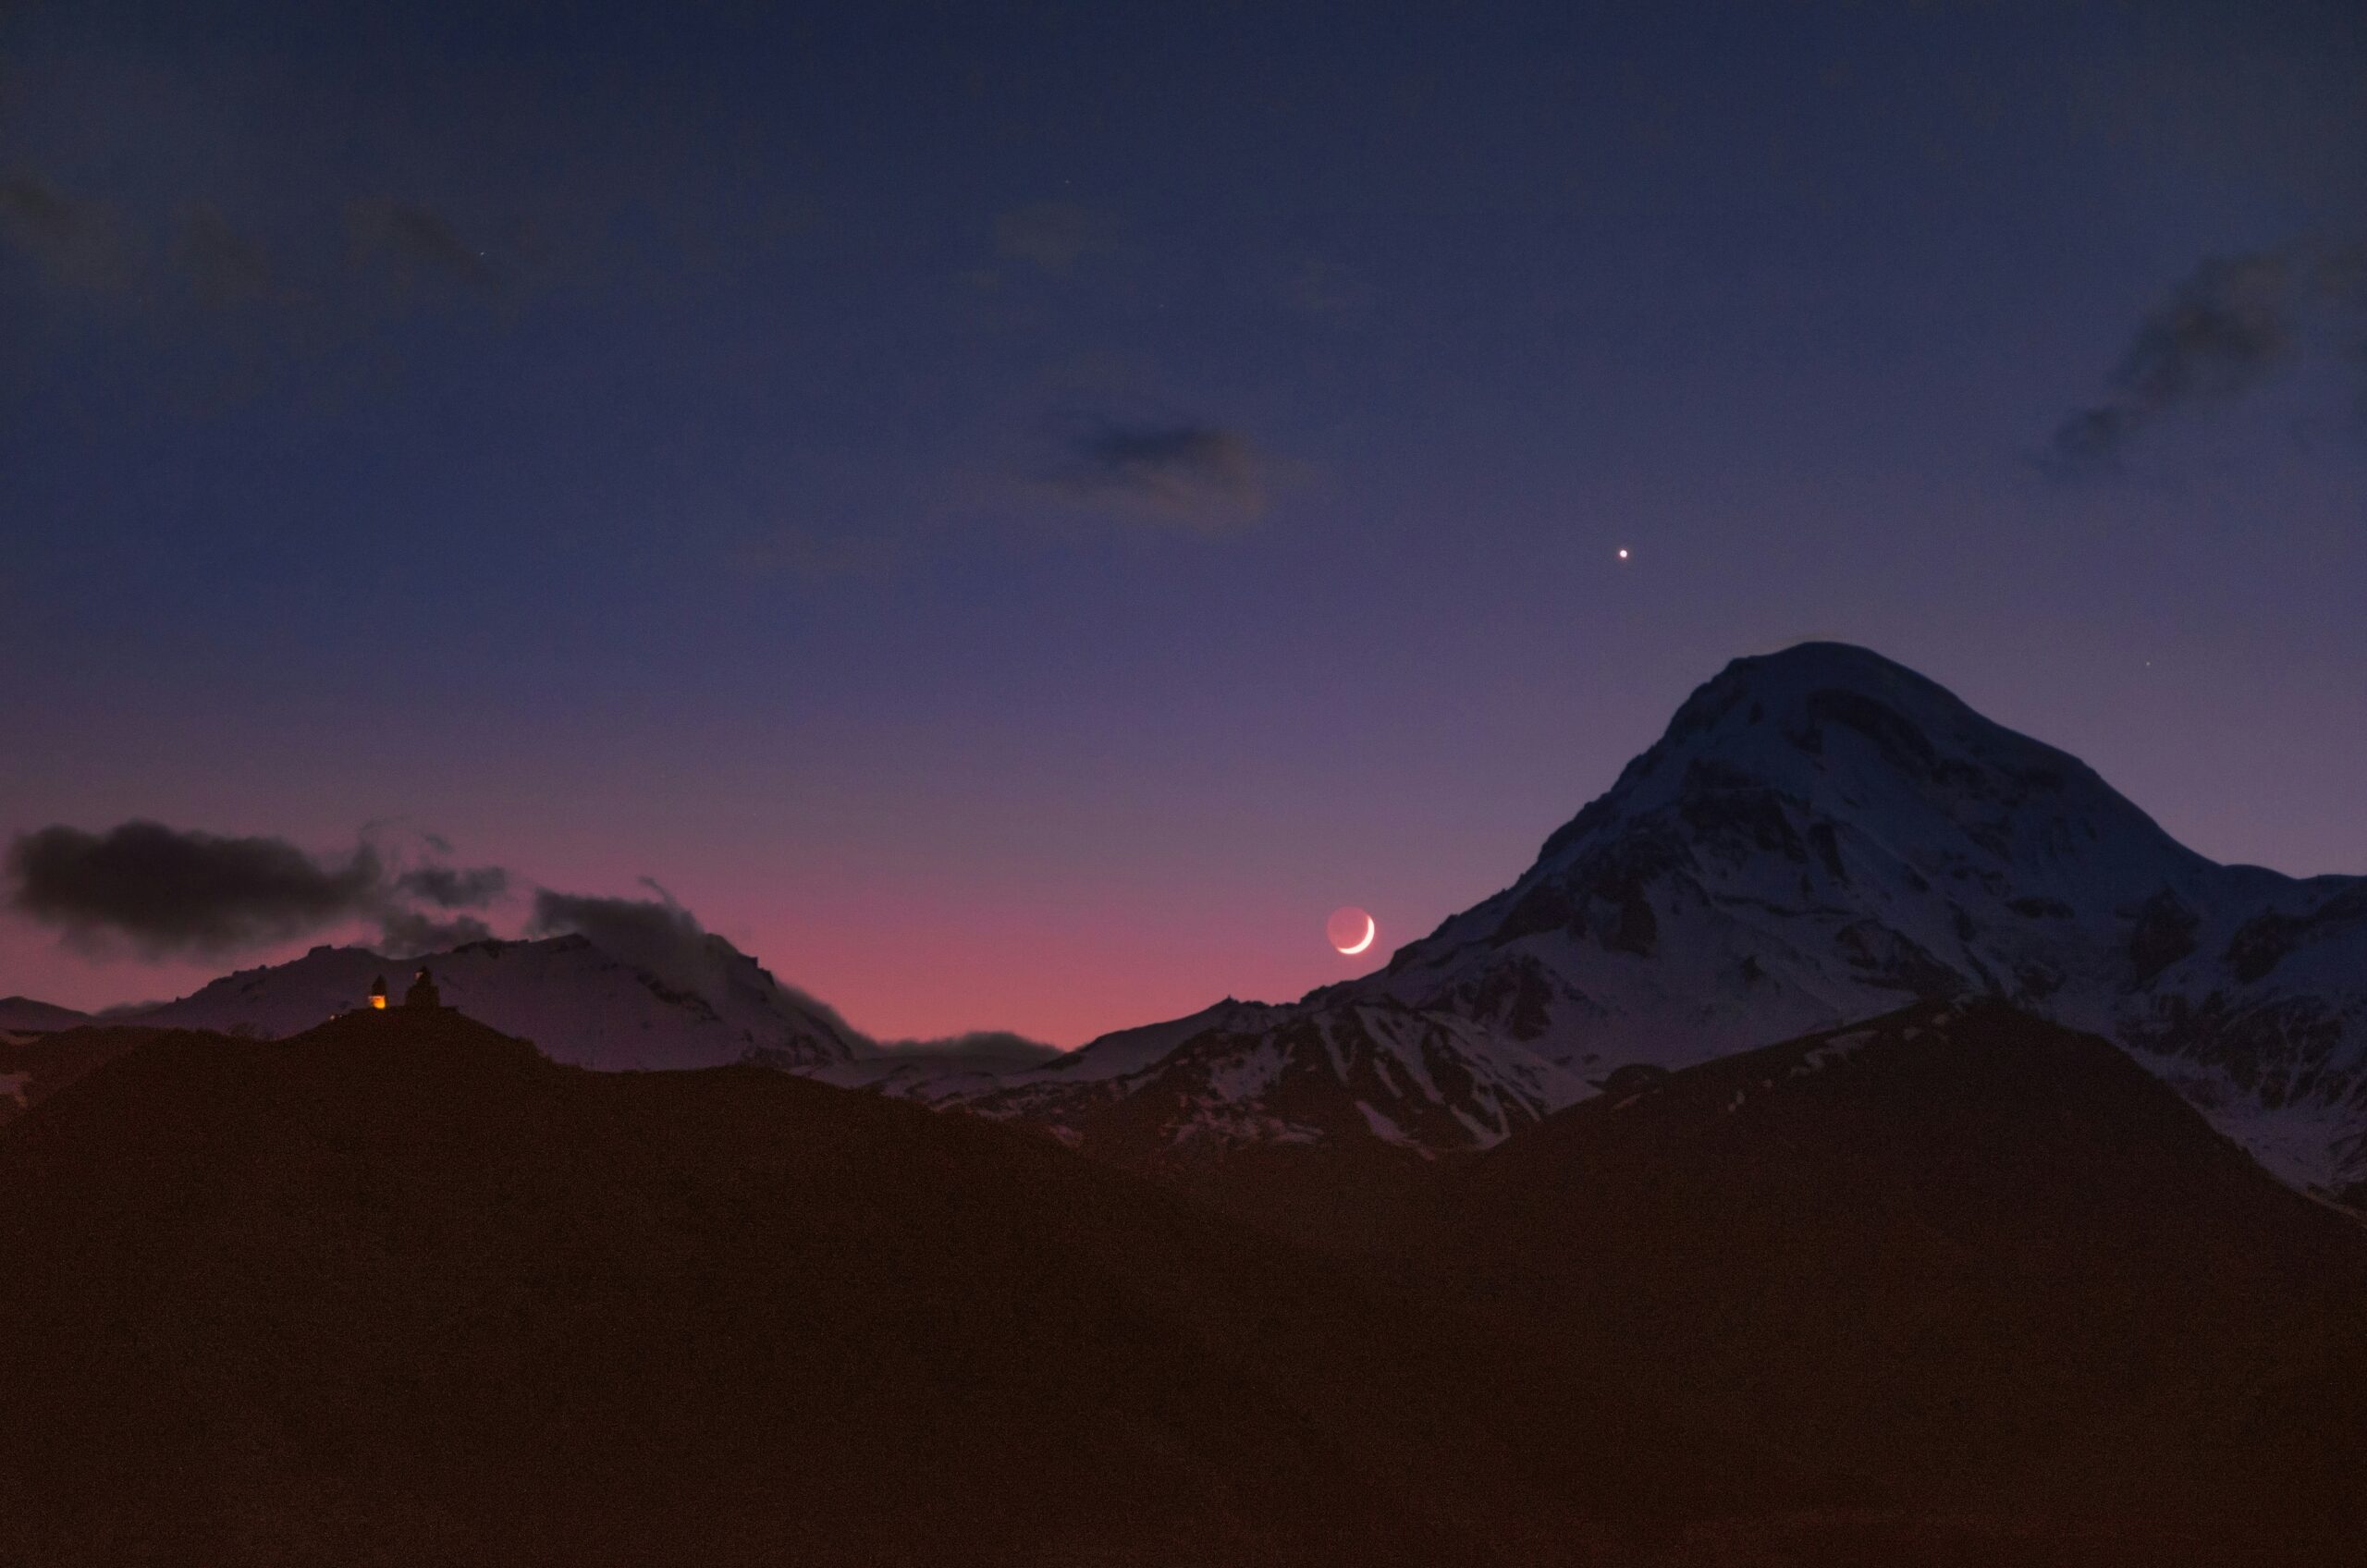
{"x": 1623, "y": 555}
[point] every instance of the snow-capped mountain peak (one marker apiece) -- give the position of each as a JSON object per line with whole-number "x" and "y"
{"x": 1821, "y": 837}
{"x": 567, "y": 995}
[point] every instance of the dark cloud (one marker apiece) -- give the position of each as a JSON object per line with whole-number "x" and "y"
{"x": 406, "y": 928}
{"x": 454, "y": 887}
{"x": 662, "y": 937}
{"x": 168, "y": 893}
{"x": 988, "y": 1048}
{"x": 657, "y": 933}
{"x": 416, "y": 246}
{"x": 161, "y": 892}
{"x": 2230, "y": 326}
{"x": 405, "y": 932}
{"x": 1194, "y": 476}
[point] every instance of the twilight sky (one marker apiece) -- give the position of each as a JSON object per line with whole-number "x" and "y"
{"x": 1012, "y": 515}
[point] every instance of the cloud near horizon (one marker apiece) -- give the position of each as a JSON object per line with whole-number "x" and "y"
{"x": 661, "y": 936}
{"x": 2227, "y": 328}
{"x": 162, "y": 893}
{"x": 983, "y": 1047}
{"x": 454, "y": 887}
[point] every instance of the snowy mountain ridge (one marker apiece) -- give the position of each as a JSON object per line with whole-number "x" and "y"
{"x": 1821, "y": 837}
{"x": 567, "y": 995}
{"x": 1364, "y": 1070}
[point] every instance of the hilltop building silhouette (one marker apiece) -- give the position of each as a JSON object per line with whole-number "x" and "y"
{"x": 422, "y": 993}
{"x": 378, "y": 994}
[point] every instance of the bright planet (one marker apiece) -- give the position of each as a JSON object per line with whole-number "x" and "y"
{"x": 1351, "y": 929}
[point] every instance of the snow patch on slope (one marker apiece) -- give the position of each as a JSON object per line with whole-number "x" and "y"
{"x": 563, "y": 993}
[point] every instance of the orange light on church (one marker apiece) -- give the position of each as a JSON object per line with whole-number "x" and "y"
{"x": 379, "y": 1003}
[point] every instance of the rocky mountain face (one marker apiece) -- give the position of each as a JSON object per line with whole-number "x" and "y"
{"x": 581, "y": 1005}
{"x": 1358, "y": 1071}
{"x": 1820, "y": 836}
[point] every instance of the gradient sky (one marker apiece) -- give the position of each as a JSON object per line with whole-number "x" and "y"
{"x": 1013, "y": 514}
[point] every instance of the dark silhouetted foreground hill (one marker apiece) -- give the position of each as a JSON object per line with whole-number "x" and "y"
{"x": 38, "y": 1068}
{"x": 401, "y": 1291}
{"x": 1960, "y": 1256}
{"x": 1952, "y": 1287}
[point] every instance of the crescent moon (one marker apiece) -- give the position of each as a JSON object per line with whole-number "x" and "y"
{"x": 1372, "y": 928}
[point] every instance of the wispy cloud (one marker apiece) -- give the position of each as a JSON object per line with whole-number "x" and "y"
{"x": 1203, "y": 478}
{"x": 454, "y": 887}
{"x": 658, "y": 936}
{"x": 2229, "y": 327}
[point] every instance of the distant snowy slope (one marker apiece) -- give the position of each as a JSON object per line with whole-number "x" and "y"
{"x": 1355, "y": 1072}
{"x": 564, "y": 993}
{"x": 1822, "y": 836}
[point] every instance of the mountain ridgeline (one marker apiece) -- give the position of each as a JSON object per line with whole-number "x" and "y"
{"x": 706, "y": 1004}
{"x": 1860, "y": 1137}
{"x": 1955, "y": 1285}
{"x": 1819, "y": 836}
{"x": 1822, "y": 836}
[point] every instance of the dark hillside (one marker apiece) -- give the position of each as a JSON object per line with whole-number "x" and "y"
{"x": 1951, "y": 1288}
{"x": 400, "y": 1290}
{"x": 42, "y": 1065}
{"x": 1963, "y": 1258}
